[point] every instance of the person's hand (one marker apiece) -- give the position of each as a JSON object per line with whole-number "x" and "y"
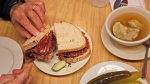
{"x": 18, "y": 77}
{"x": 28, "y": 18}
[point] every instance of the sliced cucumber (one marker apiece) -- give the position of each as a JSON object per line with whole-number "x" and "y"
{"x": 58, "y": 66}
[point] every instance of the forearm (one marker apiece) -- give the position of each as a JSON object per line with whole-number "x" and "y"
{"x": 5, "y": 7}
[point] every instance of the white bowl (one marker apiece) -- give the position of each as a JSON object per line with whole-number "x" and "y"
{"x": 127, "y": 9}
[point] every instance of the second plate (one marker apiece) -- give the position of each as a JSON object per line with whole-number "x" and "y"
{"x": 124, "y": 52}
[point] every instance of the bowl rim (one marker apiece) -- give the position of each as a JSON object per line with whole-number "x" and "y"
{"x": 123, "y": 41}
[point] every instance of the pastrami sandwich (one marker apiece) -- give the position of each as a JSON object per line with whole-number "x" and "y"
{"x": 72, "y": 44}
{"x": 40, "y": 47}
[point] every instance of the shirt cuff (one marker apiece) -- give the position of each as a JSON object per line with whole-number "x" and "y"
{"x": 7, "y": 6}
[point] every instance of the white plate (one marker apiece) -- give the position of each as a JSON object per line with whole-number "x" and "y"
{"x": 46, "y": 66}
{"x": 11, "y": 56}
{"x": 106, "y": 67}
{"x": 124, "y": 52}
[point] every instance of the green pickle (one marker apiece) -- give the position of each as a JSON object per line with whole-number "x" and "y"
{"x": 129, "y": 80}
{"x": 58, "y": 66}
{"x": 109, "y": 77}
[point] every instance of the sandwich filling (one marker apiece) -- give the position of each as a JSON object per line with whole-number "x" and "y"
{"x": 43, "y": 50}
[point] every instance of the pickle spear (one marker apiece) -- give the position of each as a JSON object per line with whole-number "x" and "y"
{"x": 131, "y": 82}
{"x": 134, "y": 76}
{"x": 109, "y": 77}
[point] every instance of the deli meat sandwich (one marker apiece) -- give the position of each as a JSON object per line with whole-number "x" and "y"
{"x": 70, "y": 43}
{"x": 40, "y": 47}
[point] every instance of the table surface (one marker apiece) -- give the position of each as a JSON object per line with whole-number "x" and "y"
{"x": 88, "y": 17}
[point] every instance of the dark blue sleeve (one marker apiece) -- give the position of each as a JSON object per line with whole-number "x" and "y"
{"x": 5, "y": 6}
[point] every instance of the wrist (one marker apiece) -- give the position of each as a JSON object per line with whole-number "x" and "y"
{"x": 14, "y": 6}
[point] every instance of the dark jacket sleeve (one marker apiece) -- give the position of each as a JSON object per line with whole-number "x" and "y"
{"x": 5, "y": 6}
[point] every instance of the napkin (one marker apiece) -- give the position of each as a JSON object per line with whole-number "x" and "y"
{"x": 130, "y": 3}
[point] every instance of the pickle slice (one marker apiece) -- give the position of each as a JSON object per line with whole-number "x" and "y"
{"x": 109, "y": 77}
{"x": 134, "y": 76}
{"x": 58, "y": 66}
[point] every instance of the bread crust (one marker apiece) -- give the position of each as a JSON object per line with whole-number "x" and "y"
{"x": 73, "y": 49}
{"x": 78, "y": 58}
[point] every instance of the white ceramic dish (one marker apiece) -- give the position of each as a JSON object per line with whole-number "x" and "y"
{"x": 11, "y": 55}
{"x": 106, "y": 67}
{"x": 46, "y": 66}
{"x": 124, "y": 52}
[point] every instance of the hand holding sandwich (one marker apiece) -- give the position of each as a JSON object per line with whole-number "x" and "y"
{"x": 71, "y": 43}
{"x": 28, "y": 18}
{"x": 18, "y": 76}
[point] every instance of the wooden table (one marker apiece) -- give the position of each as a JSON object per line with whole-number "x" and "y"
{"x": 91, "y": 19}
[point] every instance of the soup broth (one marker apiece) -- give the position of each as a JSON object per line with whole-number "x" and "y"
{"x": 123, "y": 18}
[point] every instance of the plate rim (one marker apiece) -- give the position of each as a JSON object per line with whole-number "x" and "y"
{"x": 110, "y": 62}
{"x": 17, "y": 55}
{"x": 112, "y": 49}
{"x": 85, "y": 60}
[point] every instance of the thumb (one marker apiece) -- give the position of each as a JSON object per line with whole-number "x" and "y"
{"x": 28, "y": 68}
{"x": 25, "y": 75}
{"x": 19, "y": 71}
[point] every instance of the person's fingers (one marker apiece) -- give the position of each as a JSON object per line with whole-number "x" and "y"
{"x": 32, "y": 20}
{"x": 24, "y": 76}
{"x": 42, "y": 5}
{"x": 19, "y": 16}
{"x": 17, "y": 71}
{"x": 28, "y": 68}
{"x": 28, "y": 26}
{"x": 22, "y": 30}
{"x": 29, "y": 80}
{"x": 6, "y": 77}
{"x": 38, "y": 9}
{"x": 9, "y": 76}
{"x": 34, "y": 0}
{"x": 35, "y": 20}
